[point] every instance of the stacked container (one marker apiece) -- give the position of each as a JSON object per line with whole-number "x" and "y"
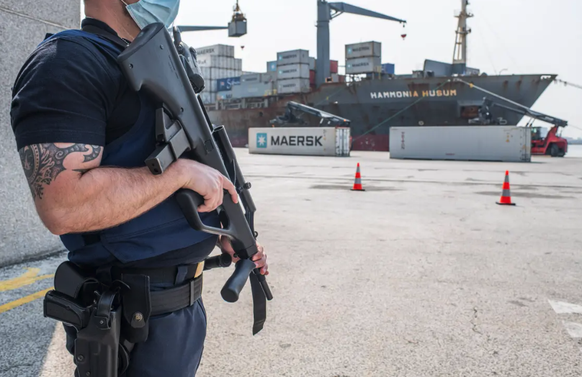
{"x": 255, "y": 85}
{"x": 364, "y": 57}
{"x": 216, "y": 63}
{"x": 293, "y": 72}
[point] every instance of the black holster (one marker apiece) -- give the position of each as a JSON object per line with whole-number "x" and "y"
{"x": 100, "y": 331}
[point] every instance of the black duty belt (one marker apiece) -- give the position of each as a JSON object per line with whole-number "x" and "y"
{"x": 170, "y": 299}
{"x": 176, "y": 298}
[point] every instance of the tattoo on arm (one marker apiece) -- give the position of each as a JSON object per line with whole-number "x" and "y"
{"x": 42, "y": 163}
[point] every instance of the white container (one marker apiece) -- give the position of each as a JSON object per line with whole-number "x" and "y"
{"x": 259, "y": 89}
{"x": 250, "y": 78}
{"x": 479, "y": 143}
{"x": 307, "y": 141}
{"x": 363, "y": 65}
{"x": 213, "y": 61}
{"x": 363, "y": 50}
{"x": 238, "y": 64}
{"x": 208, "y": 97}
{"x": 293, "y": 71}
{"x": 211, "y": 73}
{"x": 217, "y": 50}
{"x": 293, "y": 86}
{"x": 293, "y": 57}
{"x": 312, "y": 63}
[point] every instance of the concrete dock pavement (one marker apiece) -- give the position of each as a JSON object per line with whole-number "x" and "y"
{"x": 421, "y": 275}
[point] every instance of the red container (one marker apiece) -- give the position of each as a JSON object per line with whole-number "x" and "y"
{"x": 312, "y": 77}
{"x": 333, "y": 66}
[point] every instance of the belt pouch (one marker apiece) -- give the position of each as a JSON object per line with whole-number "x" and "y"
{"x": 136, "y": 308}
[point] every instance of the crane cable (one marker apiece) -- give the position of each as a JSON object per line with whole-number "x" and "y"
{"x": 566, "y": 83}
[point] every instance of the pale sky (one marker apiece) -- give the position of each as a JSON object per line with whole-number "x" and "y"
{"x": 512, "y": 36}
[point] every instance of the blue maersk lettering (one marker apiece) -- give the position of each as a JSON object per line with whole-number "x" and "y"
{"x": 296, "y": 141}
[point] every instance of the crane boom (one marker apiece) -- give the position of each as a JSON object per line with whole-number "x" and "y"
{"x": 325, "y": 13}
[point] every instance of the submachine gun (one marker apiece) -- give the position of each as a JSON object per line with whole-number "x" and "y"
{"x": 153, "y": 64}
{"x": 167, "y": 72}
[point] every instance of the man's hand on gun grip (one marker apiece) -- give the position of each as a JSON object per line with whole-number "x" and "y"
{"x": 207, "y": 182}
{"x": 259, "y": 258}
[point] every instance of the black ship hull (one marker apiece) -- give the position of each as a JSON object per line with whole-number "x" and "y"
{"x": 373, "y": 106}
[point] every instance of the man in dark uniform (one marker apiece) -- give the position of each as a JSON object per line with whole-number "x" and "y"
{"x": 83, "y": 136}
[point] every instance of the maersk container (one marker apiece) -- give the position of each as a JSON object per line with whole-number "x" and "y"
{"x": 363, "y": 65}
{"x": 364, "y": 50}
{"x": 272, "y": 66}
{"x": 213, "y": 61}
{"x": 293, "y": 57}
{"x": 251, "y": 78}
{"x": 293, "y": 71}
{"x": 260, "y": 89}
{"x": 479, "y": 143}
{"x": 293, "y": 86}
{"x": 224, "y": 85}
{"x": 237, "y": 28}
{"x": 217, "y": 50}
{"x": 307, "y": 141}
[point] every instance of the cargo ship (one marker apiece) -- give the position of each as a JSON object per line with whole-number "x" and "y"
{"x": 370, "y": 95}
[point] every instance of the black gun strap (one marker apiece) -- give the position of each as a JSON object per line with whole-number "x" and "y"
{"x": 106, "y": 35}
{"x": 259, "y": 304}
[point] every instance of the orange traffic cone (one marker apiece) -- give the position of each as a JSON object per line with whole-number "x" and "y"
{"x": 358, "y": 181}
{"x": 506, "y": 193}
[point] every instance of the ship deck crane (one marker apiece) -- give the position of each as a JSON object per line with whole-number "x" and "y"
{"x": 237, "y": 27}
{"x": 325, "y": 13}
{"x": 292, "y": 117}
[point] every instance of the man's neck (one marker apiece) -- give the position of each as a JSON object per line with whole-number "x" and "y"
{"x": 117, "y": 19}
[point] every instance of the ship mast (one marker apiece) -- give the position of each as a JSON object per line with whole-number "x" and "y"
{"x": 460, "y": 53}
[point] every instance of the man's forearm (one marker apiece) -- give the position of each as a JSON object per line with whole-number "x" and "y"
{"x": 105, "y": 197}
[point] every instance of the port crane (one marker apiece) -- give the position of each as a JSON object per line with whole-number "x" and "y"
{"x": 325, "y": 13}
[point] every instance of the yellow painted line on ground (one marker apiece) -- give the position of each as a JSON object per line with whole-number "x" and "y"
{"x": 28, "y": 278}
{"x": 24, "y": 300}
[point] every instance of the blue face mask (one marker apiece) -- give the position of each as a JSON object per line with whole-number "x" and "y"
{"x": 146, "y": 12}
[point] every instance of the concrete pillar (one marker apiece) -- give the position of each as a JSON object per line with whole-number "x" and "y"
{"x": 23, "y": 24}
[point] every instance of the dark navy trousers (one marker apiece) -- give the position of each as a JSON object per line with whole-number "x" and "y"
{"x": 174, "y": 346}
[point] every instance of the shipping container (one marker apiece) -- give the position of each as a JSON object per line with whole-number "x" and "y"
{"x": 221, "y": 96}
{"x": 250, "y": 78}
{"x": 249, "y": 90}
{"x": 307, "y": 141}
{"x": 479, "y": 143}
{"x": 217, "y": 50}
{"x": 293, "y": 57}
{"x": 269, "y": 77}
{"x": 363, "y": 65}
{"x": 272, "y": 66}
{"x": 364, "y": 50}
{"x": 208, "y": 97}
{"x": 224, "y": 62}
{"x": 388, "y": 68}
{"x": 333, "y": 66}
{"x": 226, "y": 84}
{"x": 238, "y": 64}
{"x": 211, "y": 73}
{"x": 293, "y": 86}
{"x": 293, "y": 71}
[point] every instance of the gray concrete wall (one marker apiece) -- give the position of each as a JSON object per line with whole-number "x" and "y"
{"x": 23, "y": 24}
